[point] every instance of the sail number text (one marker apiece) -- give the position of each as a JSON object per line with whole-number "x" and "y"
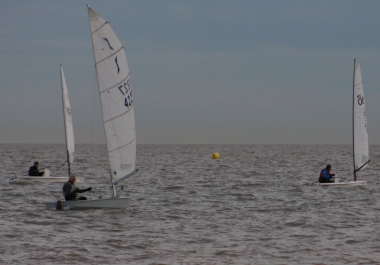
{"x": 360, "y": 99}
{"x": 126, "y": 90}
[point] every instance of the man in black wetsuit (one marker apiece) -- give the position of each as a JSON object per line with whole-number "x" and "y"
{"x": 70, "y": 190}
{"x": 33, "y": 170}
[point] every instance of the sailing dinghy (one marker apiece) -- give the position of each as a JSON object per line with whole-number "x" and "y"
{"x": 359, "y": 130}
{"x": 118, "y": 114}
{"x": 69, "y": 136}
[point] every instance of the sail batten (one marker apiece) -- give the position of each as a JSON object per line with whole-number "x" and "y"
{"x": 115, "y": 93}
{"x": 110, "y": 151}
{"x": 109, "y": 56}
{"x": 118, "y": 116}
{"x": 105, "y": 23}
{"x": 115, "y": 85}
{"x": 360, "y": 133}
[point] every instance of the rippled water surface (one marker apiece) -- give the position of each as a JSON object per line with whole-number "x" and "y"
{"x": 255, "y": 205}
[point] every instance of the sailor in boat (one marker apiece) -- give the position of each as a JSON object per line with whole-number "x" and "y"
{"x": 70, "y": 191}
{"x": 33, "y": 170}
{"x": 325, "y": 176}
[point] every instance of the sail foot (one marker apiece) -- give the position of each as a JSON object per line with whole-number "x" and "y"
{"x": 125, "y": 177}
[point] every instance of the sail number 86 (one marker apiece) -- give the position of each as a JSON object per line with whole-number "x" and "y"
{"x": 360, "y": 99}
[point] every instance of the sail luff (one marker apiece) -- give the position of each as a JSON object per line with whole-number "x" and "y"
{"x": 97, "y": 77}
{"x": 67, "y": 120}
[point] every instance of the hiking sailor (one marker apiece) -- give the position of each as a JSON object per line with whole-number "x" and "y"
{"x": 33, "y": 170}
{"x": 70, "y": 191}
{"x": 325, "y": 176}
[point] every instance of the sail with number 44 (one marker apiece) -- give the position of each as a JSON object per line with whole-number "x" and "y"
{"x": 360, "y": 137}
{"x": 116, "y": 97}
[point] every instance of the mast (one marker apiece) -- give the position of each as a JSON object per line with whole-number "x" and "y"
{"x": 353, "y": 120}
{"x": 64, "y": 122}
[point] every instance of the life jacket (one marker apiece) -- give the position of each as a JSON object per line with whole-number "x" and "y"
{"x": 71, "y": 193}
{"x": 321, "y": 175}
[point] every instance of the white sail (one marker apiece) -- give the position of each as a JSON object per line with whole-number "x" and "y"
{"x": 69, "y": 131}
{"x": 116, "y": 97}
{"x": 361, "y": 153}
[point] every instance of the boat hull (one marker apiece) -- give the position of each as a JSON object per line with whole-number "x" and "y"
{"x": 344, "y": 184}
{"x": 30, "y": 179}
{"x": 106, "y": 203}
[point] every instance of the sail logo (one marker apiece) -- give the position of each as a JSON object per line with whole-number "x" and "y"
{"x": 126, "y": 90}
{"x": 109, "y": 45}
{"x": 68, "y": 111}
{"x": 360, "y": 99}
{"x": 118, "y": 68}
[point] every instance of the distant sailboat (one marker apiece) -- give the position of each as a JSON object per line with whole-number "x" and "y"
{"x": 118, "y": 113}
{"x": 359, "y": 130}
{"x": 70, "y": 145}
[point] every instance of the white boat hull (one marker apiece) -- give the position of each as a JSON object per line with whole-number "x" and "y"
{"x": 344, "y": 184}
{"x": 106, "y": 203}
{"x": 43, "y": 179}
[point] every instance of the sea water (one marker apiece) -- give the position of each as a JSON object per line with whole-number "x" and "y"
{"x": 254, "y": 205}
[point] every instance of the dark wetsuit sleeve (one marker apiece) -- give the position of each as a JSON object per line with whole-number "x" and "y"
{"x": 81, "y": 190}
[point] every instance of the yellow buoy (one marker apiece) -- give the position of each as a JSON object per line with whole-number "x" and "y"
{"x": 215, "y": 155}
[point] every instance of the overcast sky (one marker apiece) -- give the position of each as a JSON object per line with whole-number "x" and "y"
{"x": 225, "y": 72}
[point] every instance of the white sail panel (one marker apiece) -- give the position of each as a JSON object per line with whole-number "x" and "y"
{"x": 111, "y": 69}
{"x": 69, "y": 131}
{"x": 361, "y": 150}
{"x": 115, "y": 95}
{"x": 119, "y": 134}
